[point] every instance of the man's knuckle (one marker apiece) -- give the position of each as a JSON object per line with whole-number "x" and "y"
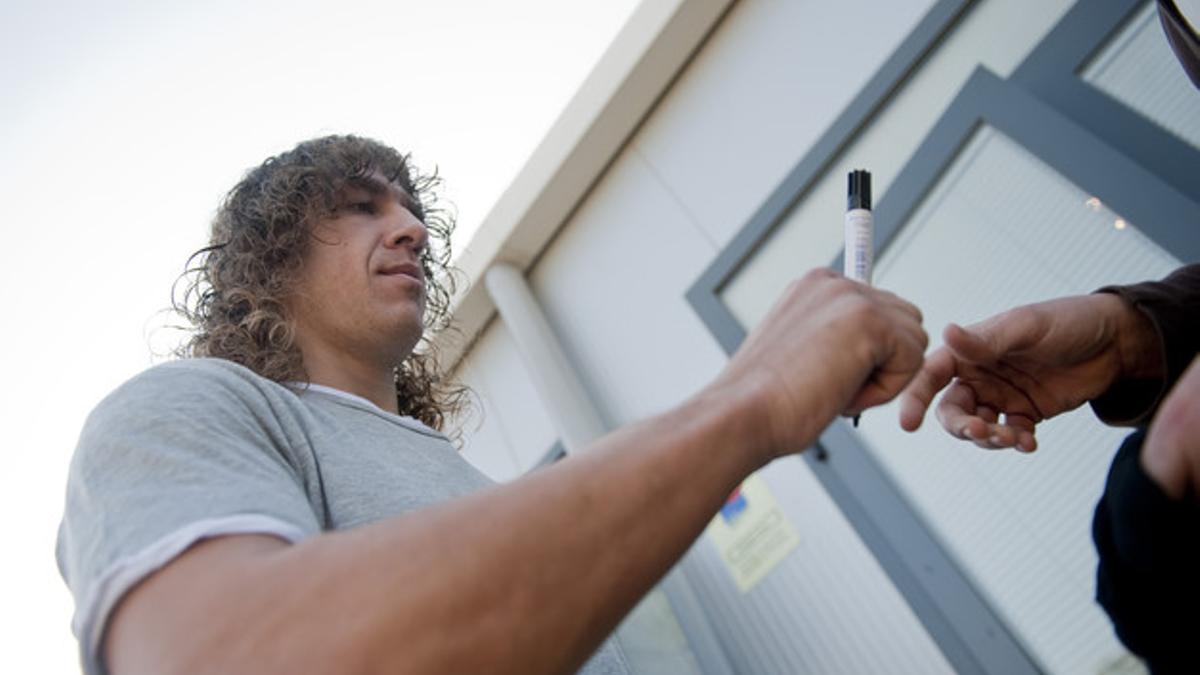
{"x": 920, "y": 316}
{"x": 869, "y": 313}
{"x": 1022, "y": 315}
{"x": 813, "y": 277}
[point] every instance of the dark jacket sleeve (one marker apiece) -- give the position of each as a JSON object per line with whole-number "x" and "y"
{"x": 1148, "y": 579}
{"x": 1173, "y": 306}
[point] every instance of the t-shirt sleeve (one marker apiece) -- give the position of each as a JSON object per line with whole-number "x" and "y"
{"x": 1173, "y": 306}
{"x": 180, "y": 453}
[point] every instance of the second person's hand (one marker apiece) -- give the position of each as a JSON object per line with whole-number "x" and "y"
{"x": 1006, "y": 374}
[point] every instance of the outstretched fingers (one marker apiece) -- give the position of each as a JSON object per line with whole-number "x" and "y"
{"x": 939, "y": 369}
{"x": 967, "y": 344}
{"x": 994, "y": 339}
{"x": 958, "y": 413}
{"x": 962, "y": 346}
{"x": 963, "y": 416}
{"x": 1023, "y": 428}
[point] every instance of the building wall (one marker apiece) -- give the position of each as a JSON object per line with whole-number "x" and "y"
{"x": 719, "y": 151}
{"x": 757, "y": 97}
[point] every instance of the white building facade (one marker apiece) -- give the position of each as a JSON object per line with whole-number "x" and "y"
{"x": 1021, "y": 150}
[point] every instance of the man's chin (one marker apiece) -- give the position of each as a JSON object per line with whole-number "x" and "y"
{"x": 405, "y": 338}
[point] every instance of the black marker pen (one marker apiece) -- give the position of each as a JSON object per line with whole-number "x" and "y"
{"x": 859, "y": 254}
{"x": 860, "y": 229}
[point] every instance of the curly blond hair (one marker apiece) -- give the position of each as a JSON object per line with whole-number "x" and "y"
{"x": 234, "y": 289}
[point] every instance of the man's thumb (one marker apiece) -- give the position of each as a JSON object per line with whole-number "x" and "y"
{"x": 968, "y": 345}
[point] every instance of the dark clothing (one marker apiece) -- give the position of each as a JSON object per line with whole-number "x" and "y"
{"x": 1148, "y": 579}
{"x": 1173, "y": 306}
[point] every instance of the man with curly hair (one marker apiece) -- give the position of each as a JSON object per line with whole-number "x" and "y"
{"x": 284, "y": 500}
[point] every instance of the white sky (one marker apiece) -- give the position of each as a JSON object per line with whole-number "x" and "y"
{"x": 121, "y": 125}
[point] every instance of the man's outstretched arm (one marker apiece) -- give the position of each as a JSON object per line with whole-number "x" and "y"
{"x": 533, "y": 575}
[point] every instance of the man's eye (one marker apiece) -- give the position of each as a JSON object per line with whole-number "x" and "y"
{"x": 363, "y": 207}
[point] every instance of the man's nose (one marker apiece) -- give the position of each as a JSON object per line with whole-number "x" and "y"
{"x": 406, "y": 230}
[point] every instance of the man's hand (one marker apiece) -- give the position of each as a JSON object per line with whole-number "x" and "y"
{"x": 1030, "y": 364}
{"x": 829, "y": 346}
{"x": 1171, "y": 451}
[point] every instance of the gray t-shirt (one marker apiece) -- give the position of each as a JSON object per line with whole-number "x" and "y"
{"x": 199, "y": 448}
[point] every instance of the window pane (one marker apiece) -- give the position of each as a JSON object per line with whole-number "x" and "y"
{"x": 998, "y": 230}
{"x": 998, "y": 35}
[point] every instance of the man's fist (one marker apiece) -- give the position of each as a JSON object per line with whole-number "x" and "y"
{"x": 829, "y": 346}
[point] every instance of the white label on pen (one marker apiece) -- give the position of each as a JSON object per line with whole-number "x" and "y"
{"x": 859, "y": 255}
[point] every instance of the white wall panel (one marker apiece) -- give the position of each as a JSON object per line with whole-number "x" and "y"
{"x": 766, "y": 86}
{"x": 512, "y": 429}
{"x": 613, "y": 286}
{"x": 483, "y": 443}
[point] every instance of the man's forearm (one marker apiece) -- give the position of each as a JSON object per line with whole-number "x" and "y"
{"x": 525, "y": 577}
{"x": 529, "y": 576}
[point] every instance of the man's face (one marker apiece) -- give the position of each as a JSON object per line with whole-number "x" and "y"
{"x": 362, "y": 288}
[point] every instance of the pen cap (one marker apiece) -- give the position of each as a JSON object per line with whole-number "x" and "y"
{"x": 859, "y": 193}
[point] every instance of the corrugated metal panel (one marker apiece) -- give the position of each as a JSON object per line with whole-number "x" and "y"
{"x": 1139, "y": 69}
{"x": 827, "y": 608}
{"x": 1003, "y": 229}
